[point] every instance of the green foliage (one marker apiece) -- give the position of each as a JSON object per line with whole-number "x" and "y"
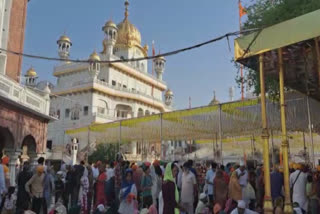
{"x": 103, "y": 152}
{"x": 263, "y": 13}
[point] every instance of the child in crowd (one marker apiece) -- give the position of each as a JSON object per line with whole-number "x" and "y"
{"x": 10, "y": 201}
{"x": 202, "y": 204}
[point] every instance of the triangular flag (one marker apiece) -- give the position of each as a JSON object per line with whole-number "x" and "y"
{"x": 242, "y": 11}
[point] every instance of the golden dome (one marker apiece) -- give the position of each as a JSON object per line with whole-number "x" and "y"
{"x": 128, "y": 34}
{"x": 64, "y": 38}
{"x": 31, "y": 72}
{"x": 169, "y": 93}
{"x": 94, "y": 56}
{"x": 109, "y": 23}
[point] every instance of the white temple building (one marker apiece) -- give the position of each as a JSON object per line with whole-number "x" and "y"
{"x": 96, "y": 92}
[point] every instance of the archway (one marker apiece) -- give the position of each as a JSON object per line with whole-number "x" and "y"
{"x": 29, "y": 147}
{"x": 140, "y": 112}
{"x": 123, "y": 111}
{"x": 6, "y": 139}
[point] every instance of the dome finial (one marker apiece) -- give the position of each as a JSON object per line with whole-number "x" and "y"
{"x": 126, "y": 13}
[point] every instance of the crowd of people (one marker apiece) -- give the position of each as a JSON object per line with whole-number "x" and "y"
{"x": 153, "y": 188}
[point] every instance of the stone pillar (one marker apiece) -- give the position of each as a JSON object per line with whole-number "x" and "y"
{"x": 74, "y": 151}
{"x": 33, "y": 158}
{"x": 13, "y": 157}
{"x": 134, "y": 148}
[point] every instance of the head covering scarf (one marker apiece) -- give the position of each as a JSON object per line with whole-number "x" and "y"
{"x": 169, "y": 177}
{"x": 5, "y": 160}
{"x": 217, "y": 208}
{"x": 126, "y": 184}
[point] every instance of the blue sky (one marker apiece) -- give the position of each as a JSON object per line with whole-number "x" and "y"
{"x": 172, "y": 24}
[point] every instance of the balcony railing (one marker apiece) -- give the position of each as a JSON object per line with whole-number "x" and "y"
{"x": 22, "y": 95}
{"x": 118, "y": 88}
{"x": 70, "y": 66}
{"x": 106, "y": 84}
{"x": 104, "y": 116}
{"x": 83, "y": 65}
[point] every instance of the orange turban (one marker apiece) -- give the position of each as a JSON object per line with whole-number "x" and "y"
{"x": 318, "y": 168}
{"x": 291, "y": 165}
{"x": 156, "y": 163}
{"x": 134, "y": 167}
{"x": 5, "y": 160}
{"x": 40, "y": 169}
{"x": 130, "y": 197}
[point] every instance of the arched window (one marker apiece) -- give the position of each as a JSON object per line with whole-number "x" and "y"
{"x": 102, "y": 107}
{"x": 140, "y": 112}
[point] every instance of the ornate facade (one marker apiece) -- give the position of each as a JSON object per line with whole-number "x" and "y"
{"x": 24, "y": 110}
{"x": 97, "y": 92}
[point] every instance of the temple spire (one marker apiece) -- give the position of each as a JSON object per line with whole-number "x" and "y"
{"x": 126, "y": 13}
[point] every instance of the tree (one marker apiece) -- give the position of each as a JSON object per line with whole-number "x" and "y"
{"x": 263, "y": 13}
{"x": 103, "y": 152}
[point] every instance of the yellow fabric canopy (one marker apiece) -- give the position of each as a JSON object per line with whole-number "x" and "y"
{"x": 232, "y": 119}
{"x": 280, "y": 35}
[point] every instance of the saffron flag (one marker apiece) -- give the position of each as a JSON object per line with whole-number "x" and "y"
{"x": 242, "y": 11}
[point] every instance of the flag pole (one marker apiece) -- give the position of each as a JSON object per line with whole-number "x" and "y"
{"x": 241, "y": 66}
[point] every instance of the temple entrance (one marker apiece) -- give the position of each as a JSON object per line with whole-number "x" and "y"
{"x": 6, "y": 139}
{"x": 29, "y": 148}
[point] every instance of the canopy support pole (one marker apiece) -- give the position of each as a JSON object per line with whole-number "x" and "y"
{"x": 310, "y": 130}
{"x": 316, "y": 40}
{"x": 220, "y": 132}
{"x": 119, "y": 145}
{"x": 161, "y": 143}
{"x": 285, "y": 143}
{"x": 267, "y": 206}
{"x": 272, "y": 145}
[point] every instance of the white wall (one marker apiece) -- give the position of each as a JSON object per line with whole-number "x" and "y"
{"x": 130, "y": 53}
{"x": 68, "y": 80}
{"x": 57, "y": 128}
{"x": 5, "y": 10}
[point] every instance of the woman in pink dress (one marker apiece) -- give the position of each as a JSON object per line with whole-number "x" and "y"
{"x": 100, "y": 196}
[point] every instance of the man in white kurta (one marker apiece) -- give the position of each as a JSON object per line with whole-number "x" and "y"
{"x": 188, "y": 189}
{"x": 299, "y": 188}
